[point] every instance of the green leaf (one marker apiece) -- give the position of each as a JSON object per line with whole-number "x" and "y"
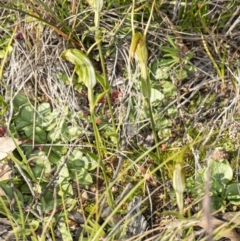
{"x": 40, "y": 134}
{"x": 181, "y": 74}
{"x": 77, "y": 161}
{"x": 60, "y": 150}
{"x": 71, "y": 133}
{"x": 235, "y": 201}
{"x": 82, "y": 175}
{"x": 66, "y": 189}
{"x": 19, "y": 101}
{"x": 25, "y": 189}
{"x": 53, "y": 156}
{"x": 2, "y": 54}
{"x": 172, "y": 112}
{"x": 169, "y": 89}
{"x": 44, "y": 109}
{"x": 50, "y": 120}
{"x": 167, "y": 62}
{"x": 74, "y": 131}
{"x": 162, "y": 73}
{"x": 221, "y": 172}
{"x": 162, "y": 122}
{"x": 170, "y": 40}
{"x": 37, "y": 171}
{"x": 190, "y": 68}
{"x": 217, "y": 203}
{"x": 75, "y": 155}
{"x": 217, "y": 188}
{"x": 99, "y": 97}
{"x": 56, "y": 133}
{"x": 233, "y": 192}
{"x": 188, "y": 57}
{"x": 111, "y": 134}
{"x": 156, "y": 95}
{"x": 65, "y": 234}
{"x": 48, "y": 204}
{"x": 174, "y": 58}
{"x": 63, "y": 174}
{"x": 89, "y": 163}
{"x": 21, "y": 124}
{"x": 49, "y": 126}
{"x": 42, "y": 165}
{"x": 164, "y": 133}
{"x": 9, "y": 192}
{"x": 44, "y": 114}
{"x": 169, "y": 50}
{"x": 34, "y": 225}
{"x": 27, "y": 113}
{"x": 101, "y": 81}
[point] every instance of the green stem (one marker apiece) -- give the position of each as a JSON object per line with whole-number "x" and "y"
{"x": 96, "y": 132}
{"x": 100, "y": 148}
{"x": 100, "y": 161}
{"x": 106, "y": 88}
{"x": 105, "y": 76}
{"x": 146, "y": 90}
{"x": 155, "y": 136}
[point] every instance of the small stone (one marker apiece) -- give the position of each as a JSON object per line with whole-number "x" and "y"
{"x": 219, "y": 154}
{"x": 85, "y": 196}
{"x": 114, "y": 189}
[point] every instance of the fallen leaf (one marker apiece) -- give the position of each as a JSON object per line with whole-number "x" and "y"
{"x": 7, "y": 145}
{"x": 5, "y": 171}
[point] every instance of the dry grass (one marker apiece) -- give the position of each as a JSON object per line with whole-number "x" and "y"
{"x": 207, "y": 104}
